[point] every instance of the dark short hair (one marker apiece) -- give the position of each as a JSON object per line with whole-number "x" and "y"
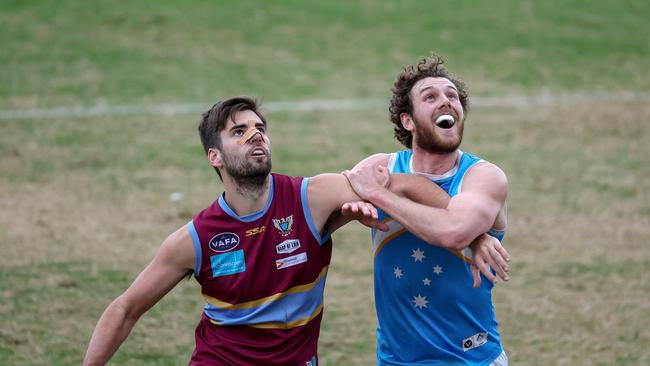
{"x": 214, "y": 120}
{"x": 401, "y": 92}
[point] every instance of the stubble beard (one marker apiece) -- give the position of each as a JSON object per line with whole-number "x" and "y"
{"x": 249, "y": 178}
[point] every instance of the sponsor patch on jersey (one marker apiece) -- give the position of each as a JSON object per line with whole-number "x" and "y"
{"x": 287, "y": 246}
{"x": 255, "y": 230}
{"x": 291, "y": 261}
{"x": 224, "y": 242}
{"x": 284, "y": 225}
{"x": 474, "y": 341}
{"x": 228, "y": 263}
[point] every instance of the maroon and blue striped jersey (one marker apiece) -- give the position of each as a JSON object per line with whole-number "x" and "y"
{"x": 263, "y": 278}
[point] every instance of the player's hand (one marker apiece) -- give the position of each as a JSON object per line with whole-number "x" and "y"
{"x": 364, "y": 212}
{"x": 487, "y": 252}
{"x": 366, "y": 178}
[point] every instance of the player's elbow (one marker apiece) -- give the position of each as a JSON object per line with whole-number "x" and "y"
{"x": 454, "y": 237}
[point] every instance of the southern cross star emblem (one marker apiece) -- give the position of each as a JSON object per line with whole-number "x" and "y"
{"x": 398, "y": 272}
{"x": 437, "y": 269}
{"x": 284, "y": 225}
{"x": 418, "y": 255}
{"x": 420, "y": 301}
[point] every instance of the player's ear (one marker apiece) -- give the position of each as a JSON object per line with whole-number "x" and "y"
{"x": 215, "y": 158}
{"x": 407, "y": 121}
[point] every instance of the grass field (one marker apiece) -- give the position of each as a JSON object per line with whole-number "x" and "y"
{"x": 84, "y": 202}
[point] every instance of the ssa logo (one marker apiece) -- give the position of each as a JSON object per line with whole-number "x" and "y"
{"x": 224, "y": 242}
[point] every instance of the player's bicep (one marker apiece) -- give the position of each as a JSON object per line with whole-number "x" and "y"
{"x": 482, "y": 197}
{"x": 328, "y": 192}
{"x": 173, "y": 261}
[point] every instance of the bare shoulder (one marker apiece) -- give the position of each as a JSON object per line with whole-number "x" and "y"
{"x": 375, "y": 160}
{"x": 486, "y": 176}
{"x": 178, "y": 248}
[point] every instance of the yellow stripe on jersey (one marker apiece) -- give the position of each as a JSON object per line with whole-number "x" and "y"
{"x": 396, "y": 229}
{"x": 255, "y": 303}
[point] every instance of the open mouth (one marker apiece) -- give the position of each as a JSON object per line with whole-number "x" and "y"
{"x": 445, "y": 121}
{"x": 258, "y": 152}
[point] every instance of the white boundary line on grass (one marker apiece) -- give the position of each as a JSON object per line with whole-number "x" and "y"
{"x": 506, "y": 101}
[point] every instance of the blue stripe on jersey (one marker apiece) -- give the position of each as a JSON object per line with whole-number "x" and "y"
{"x": 286, "y": 309}
{"x": 197, "y": 247}
{"x": 247, "y": 218}
{"x": 305, "y": 208}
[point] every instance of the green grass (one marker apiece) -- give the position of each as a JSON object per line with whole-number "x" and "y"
{"x": 80, "y": 53}
{"x": 84, "y": 202}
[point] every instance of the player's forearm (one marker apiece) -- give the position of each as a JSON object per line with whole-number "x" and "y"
{"x": 112, "y": 329}
{"x": 336, "y": 221}
{"x": 419, "y": 189}
{"x": 436, "y": 226}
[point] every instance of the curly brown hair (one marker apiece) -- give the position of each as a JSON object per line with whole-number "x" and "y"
{"x": 401, "y": 92}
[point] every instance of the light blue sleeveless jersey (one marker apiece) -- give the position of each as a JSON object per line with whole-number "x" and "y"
{"x": 428, "y": 311}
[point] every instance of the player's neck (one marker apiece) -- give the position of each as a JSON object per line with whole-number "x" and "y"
{"x": 434, "y": 163}
{"x": 245, "y": 199}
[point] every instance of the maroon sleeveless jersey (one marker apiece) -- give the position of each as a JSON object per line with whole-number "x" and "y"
{"x": 263, "y": 278}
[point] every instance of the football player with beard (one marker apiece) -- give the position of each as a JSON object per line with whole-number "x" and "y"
{"x": 428, "y": 313}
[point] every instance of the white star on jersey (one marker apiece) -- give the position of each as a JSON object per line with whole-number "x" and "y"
{"x": 437, "y": 269}
{"x": 418, "y": 255}
{"x": 420, "y": 301}
{"x": 398, "y": 272}
{"x": 426, "y": 281}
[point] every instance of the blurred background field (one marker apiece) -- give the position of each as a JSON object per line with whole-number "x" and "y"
{"x": 85, "y": 199}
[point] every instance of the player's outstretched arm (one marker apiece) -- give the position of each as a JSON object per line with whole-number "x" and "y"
{"x": 468, "y": 214}
{"x": 172, "y": 262}
{"x": 328, "y": 192}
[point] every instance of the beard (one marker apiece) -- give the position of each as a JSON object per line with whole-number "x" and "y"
{"x": 428, "y": 140}
{"x": 249, "y": 177}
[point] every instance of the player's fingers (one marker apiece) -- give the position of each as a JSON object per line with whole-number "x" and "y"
{"x": 499, "y": 259}
{"x": 500, "y": 272}
{"x": 485, "y": 269}
{"x": 365, "y": 210}
{"x": 373, "y": 211}
{"x": 498, "y": 264}
{"x": 383, "y": 227}
{"x": 504, "y": 253}
{"x": 476, "y": 274}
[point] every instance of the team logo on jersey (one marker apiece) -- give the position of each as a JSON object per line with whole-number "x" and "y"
{"x": 474, "y": 341}
{"x": 291, "y": 261}
{"x": 287, "y": 246}
{"x": 224, "y": 242}
{"x": 255, "y": 230}
{"x": 284, "y": 225}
